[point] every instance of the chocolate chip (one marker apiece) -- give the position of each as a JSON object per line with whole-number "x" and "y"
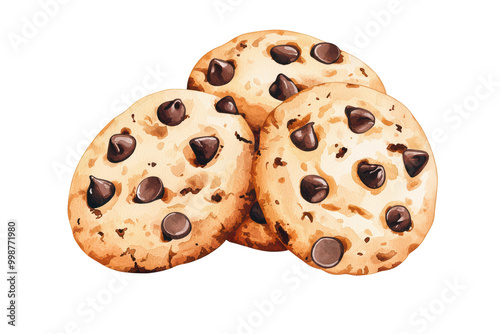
{"x": 398, "y": 218}
{"x": 285, "y": 54}
{"x": 172, "y": 113}
{"x": 120, "y": 147}
{"x": 314, "y": 188}
{"x": 373, "y": 176}
{"x": 204, "y": 148}
{"x": 220, "y": 72}
{"x": 360, "y": 120}
{"x": 99, "y": 192}
{"x": 256, "y": 214}
{"x": 327, "y": 252}
{"x": 326, "y": 53}
{"x": 283, "y": 88}
{"x": 175, "y": 226}
{"x": 415, "y": 161}
{"x": 149, "y": 190}
{"x": 305, "y": 138}
{"x": 227, "y": 106}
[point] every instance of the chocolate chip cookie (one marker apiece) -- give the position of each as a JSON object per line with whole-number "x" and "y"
{"x": 255, "y": 72}
{"x": 162, "y": 184}
{"x": 346, "y": 178}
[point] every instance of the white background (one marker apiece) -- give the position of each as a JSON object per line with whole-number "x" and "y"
{"x": 91, "y": 59}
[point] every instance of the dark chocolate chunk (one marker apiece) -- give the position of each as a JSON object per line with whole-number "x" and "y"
{"x": 172, "y": 113}
{"x": 285, "y": 54}
{"x": 220, "y": 72}
{"x": 283, "y": 88}
{"x": 175, "y": 226}
{"x": 226, "y": 106}
{"x": 359, "y": 120}
{"x": 326, "y": 53}
{"x": 99, "y": 192}
{"x": 314, "y": 188}
{"x": 305, "y": 138}
{"x": 256, "y": 214}
{"x": 398, "y": 218}
{"x": 204, "y": 148}
{"x": 373, "y": 176}
{"x": 149, "y": 190}
{"x": 327, "y": 252}
{"x": 415, "y": 161}
{"x": 120, "y": 147}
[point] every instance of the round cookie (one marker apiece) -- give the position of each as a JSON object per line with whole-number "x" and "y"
{"x": 255, "y": 72}
{"x": 346, "y": 178}
{"x": 163, "y": 184}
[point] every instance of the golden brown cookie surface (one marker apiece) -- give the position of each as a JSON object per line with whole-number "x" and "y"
{"x": 255, "y": 72}
{"x": 162, "y": 184}
{"x": 346, "y": 178}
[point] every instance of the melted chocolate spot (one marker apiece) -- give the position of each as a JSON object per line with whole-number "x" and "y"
{"x": 283, "y": 88}
{"x": 216, "y": 198}
{"x": 285, "y": 54}
{"x": 327, "y": 252}
{"x": 204, "y": 148}
{"x": 359, "y": 120}
{"x": 400, "y": 148}
{"x": 342, "y": 152}
{"x": 326, "y": 53}
{"x": 314, "y": 189}
{"x": 415, "y": 161}
{"x": 99, "y": 192}
{"x": 398, "y": 218}
{"x": 220, "y": 72}
{"x": 175, "y": 226}
{"x": 373, "y": 176}
{"x": 282, "y": 234}
{"x": 120, "y": 147}
{"x": 305, "y": 138}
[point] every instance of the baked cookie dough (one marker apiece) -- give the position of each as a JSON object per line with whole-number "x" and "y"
{"x": 346, "y": 178}
{"x": 255, "y": 233}
{"x": 255, "y": 72}
{"x": 162, "y": 184}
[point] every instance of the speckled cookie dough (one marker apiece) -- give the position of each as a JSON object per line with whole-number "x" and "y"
{"x": 255, "y": 72}
{"x": 346, "y": 178}
{"x": 162, "y": 184}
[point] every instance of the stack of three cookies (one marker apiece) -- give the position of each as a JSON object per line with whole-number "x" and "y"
{"x": 281, "y": 142}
